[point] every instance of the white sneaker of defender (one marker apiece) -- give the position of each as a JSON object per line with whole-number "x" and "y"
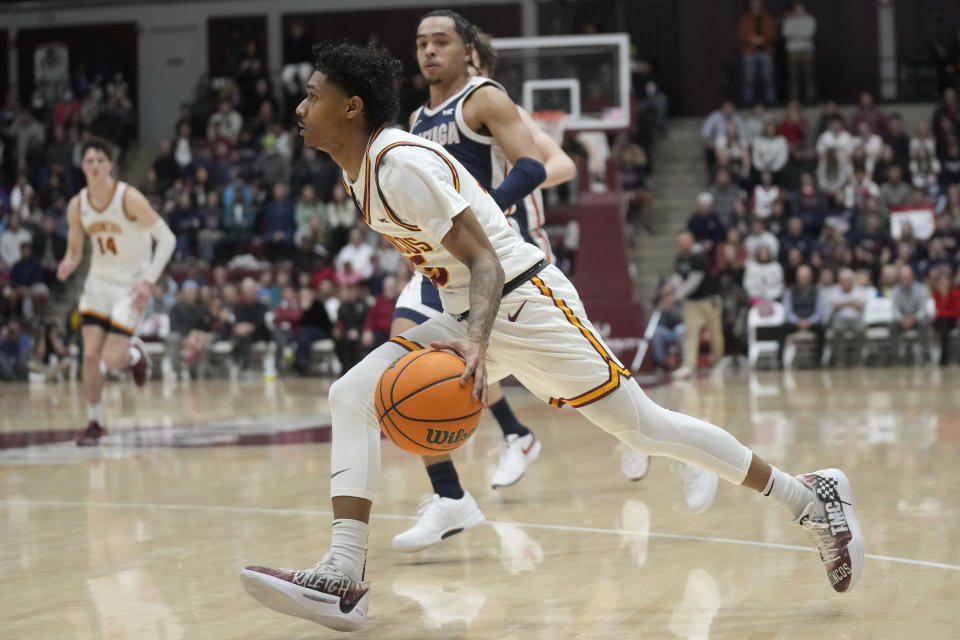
{"x": 439, "y": 519}
{"x": 516, "y": 454}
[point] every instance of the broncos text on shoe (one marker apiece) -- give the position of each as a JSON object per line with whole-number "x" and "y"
{"x": 831, "y": 524}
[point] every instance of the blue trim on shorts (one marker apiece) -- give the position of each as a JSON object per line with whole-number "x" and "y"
{"x": 409, "y": 314}
{"x": 429, "y": 296}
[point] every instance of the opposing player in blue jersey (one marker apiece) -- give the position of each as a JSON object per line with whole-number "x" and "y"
{"x": 499, "y": 143}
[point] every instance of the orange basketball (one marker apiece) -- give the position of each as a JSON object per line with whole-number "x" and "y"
{"x": 422, "y": 407}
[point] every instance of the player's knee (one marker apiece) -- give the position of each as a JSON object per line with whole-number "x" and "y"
{"x": 345, "y": 389}
{"x": 115, "y": 358}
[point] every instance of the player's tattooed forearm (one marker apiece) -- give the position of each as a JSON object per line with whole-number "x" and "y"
{"x": 486, "y": 287}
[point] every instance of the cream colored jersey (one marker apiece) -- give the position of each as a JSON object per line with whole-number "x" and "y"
{"x": 121, "y": 245}
{"x": 410, "y": 189}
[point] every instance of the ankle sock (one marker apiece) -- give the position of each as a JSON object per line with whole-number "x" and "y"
{"x": 348, "y": 546}
{"x": 95, "y": 412}
{"x": 507, "y": 420}
{"x": 134, "y": 355}
{"x": 788, "y": 491}
{"x": 446, "y": 483}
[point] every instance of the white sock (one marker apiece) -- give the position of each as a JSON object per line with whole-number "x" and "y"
{"x": 134, "y": 355}
{"x": 348, "y": 548}
{"x": 95, "y": 412}
{"x": 788, "y": 491}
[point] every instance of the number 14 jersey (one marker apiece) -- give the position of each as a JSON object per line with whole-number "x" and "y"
{"x": 121, "y": 245}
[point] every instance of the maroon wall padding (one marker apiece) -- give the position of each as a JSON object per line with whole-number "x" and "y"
{"x": 602, "y": 275}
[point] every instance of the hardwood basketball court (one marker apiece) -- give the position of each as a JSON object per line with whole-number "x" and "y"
{"x": 144, "y": 537}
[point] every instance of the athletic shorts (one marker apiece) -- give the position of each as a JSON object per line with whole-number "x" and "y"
{"x": 419, "y": 301}
{"x": 109, "y": 305}
{"x": 541, "y": 336}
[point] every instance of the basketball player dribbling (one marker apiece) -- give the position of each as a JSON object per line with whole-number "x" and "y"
{"x": 122, "y": 227}
{"x": 471, "y": 117}
{"x": 507, "y": 311}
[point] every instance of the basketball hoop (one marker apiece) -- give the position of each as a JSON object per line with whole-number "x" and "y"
{"x": 552, "y": 123}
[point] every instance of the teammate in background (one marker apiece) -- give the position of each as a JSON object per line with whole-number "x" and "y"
{"x": 465, "y": 104}
{"x": 475, "y": 120}
{"x": 425, "y": 201}
{"x": 122, "y": 226}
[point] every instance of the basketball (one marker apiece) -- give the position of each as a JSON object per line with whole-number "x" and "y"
{"x": 421, "y": 405}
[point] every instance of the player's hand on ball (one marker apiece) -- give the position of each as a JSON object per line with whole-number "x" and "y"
{"x": 472, "y": 350}
{"x": 65, "y": 268}
{"x": 141, "y": 295}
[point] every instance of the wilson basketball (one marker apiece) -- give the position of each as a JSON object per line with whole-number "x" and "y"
{"x": 422, "y": 407}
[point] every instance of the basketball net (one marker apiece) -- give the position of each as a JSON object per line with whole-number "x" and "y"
{"x": 552, "y": 123}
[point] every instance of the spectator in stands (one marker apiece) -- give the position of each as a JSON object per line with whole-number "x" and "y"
{"x": 859, "y": 189}
{"x": 947, "y": 109}
{"x": 314, "y": 325}
{"x": 715, "y": 126}
{"x": 51, "y": 358}
{"x": 765, "y": 195}
{"x": 311, "y": 213}
{"x": 285, "y": 323}
{"x": 947, "y": 300}
{"x": 870, "y": 113}
{"x": 761, "y": 235}
{"x": 938, "y": 258}
{"x": 280, "y": 221}
{"x": 881, "y": 167}
{"x": 925, "y": 173}
{"x": 313, "y": 169}
{"x": 770, "y": 151}
{"x": 26, "y": 284}
{"x": 869, "y": 143}
{"x": 757, "y": 36}
{"x": 376, "y": 327}
{"x": 705, "y": 224}
{"x": 846, "y": 304}
{"x": 165, "y": 166}
{"x": 944, "y": 231}
{"x": 189, "y": 332}
{"x": 272, "y": 165}
{"x": 183, "y": 149}
{"x": 652, "y": 99}
{"x": 898, "y": 140}
{"x": 225, "y": 124}
{"x": 12, "y": 239}
{"x": 701, "y": 307}
{"x": 49, "y": 245}
{"x": 834, "y": 137}
{"x": 894, "y": 192}
{"x": 728, "y": 197}
{"x": 833, "y": 172}
{"x": 210, "y": 234}
{"x": 803, "y": 307}
{"x": 796, "y": 238}
{"x": 632, "y": 164}
{"x": 910, "y": 312}
{"x": 185, "y": 222}
{"x": 347, "y": 332}
{"x": 763, "y": 277}
{"x": 14, "y": 352}
{"x": 249, "y": 324}
{"x": 342, "y": 215}
{"x": 28, "y": 136}
{"x": 22, "y": 197}
{"x": 753, "y": 123}
{"x": 799, "y": 29}
{"x": 922, "y": 139}
{"x": 357, "y": 254}
{"x": 239, "y": 214}
{"x": 669, "y": 329}
{"x": 733, "y": 154}
{"x": 950, "y": 165}
{"x": 793, "y": 128}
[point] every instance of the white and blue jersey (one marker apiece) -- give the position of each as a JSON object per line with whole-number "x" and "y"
{"x": 485, "y": 160}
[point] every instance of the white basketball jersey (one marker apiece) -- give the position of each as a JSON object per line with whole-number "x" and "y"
{"x": 121, "y": 246}
{"x": 410, "y": 189}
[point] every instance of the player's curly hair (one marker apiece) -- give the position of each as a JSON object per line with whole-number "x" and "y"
{"x": 99, "y": 144}
{"x": 471, "y": 37}
{"x": 365, "y": 71}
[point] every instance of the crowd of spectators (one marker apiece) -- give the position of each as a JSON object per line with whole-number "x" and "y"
{"x": 822, "y": 217}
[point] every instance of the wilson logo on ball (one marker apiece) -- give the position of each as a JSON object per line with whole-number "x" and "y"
{"x": 439, "y": 436}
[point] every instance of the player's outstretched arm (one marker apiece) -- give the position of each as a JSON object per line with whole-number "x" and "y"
{"x": 468, "y": 243}
{"x": 74, "y": 240}
{"x": 137, "y": 205}
{"x": 557, "y": 164}
{"x": 492, "y": 109}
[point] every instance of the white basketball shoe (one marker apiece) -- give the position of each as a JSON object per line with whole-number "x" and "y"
{"x": 633, "y": 465}
{"x": 832, "y": 526}
{"x": 323, "y": 594}
{"x": 516, "y": 454}
{"x": 439, "y": 519}
{"x": 699, "y": 486}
